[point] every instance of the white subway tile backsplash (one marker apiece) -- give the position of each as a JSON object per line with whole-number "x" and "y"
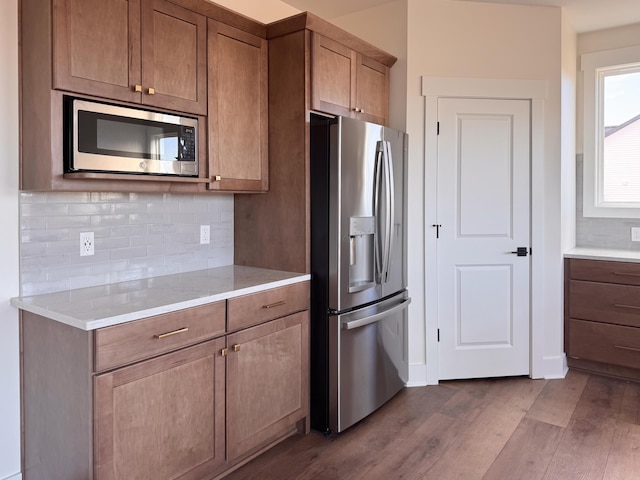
{"x": 84, "y": 281}
{"x": 137, "y": 236}
{"x": 67, "y": 197}
{"x": 132, "y": 252}
{"x": 68, "y": 221}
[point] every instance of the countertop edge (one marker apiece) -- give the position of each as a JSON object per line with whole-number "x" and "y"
{"x": 606, "y": 254}
{"x": 157, "y": 310}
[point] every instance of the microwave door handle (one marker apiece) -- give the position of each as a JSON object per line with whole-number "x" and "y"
{"x": 377, "y": 174}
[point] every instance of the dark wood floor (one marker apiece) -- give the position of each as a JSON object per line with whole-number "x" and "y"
{"x": 583, "y": 427}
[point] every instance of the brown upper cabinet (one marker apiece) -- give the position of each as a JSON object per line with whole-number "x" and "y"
{"x": 345, "y": 82}
{"x": 238, "y": 123}
{"x": 143, "y": 51}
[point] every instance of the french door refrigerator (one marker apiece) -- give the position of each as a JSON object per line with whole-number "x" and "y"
{"x": 359, "y": 292}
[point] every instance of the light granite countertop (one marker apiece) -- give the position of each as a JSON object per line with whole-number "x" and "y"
{"x": 610, "y": 254}
{"x": 106, "y": 305}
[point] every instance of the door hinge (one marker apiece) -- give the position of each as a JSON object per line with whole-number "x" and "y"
{"x": 437, "y": 128}
{"x": 438, "y": 227}
{"x": 438, "y": 334}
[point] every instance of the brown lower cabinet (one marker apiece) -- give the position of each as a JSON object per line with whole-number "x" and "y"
{"x": 162, "y": 418}
{"x": 266, "y": 381}
{"x": 191, "y": 410}
{"x": 602, "y": 317}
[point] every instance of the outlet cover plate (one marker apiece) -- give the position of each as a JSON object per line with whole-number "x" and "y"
{"x": 86, "y": 244}
{"x": 635, "y": 234}
{"x": 205, "y": 234}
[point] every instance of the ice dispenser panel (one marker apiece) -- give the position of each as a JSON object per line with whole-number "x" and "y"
{"x": 361, "y": 253}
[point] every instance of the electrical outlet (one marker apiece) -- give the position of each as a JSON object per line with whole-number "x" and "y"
{"x": 86, "y": 244}
{"x": 205, "y": 234}
{"x": 635, "y": 234}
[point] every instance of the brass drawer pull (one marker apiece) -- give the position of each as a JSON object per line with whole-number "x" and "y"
{"x": 627, "y": 274}
{"x": 169, "y": 334}
{"x": 635, "y": 307}
{"x": 224, "y": 352}
{"x": 272, "y": 305}
{"x": 622, "y": 347}
{"x": 236, "y": 348}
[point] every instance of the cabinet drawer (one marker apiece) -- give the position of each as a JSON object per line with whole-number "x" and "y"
{"x": 129, "y": 342}
{"x": 259, "y": 307}
{"x": 604, "y": 343}
{"x": 605, "y": 302}
{"x": 602, "y": 271}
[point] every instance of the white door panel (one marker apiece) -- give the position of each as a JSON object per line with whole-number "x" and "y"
{"x": 484, "y": 210}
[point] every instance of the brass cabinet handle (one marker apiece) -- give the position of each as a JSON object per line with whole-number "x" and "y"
{"x": 137, "y": 88}
{"x": 224, "y": 352}
{"x": 622, "y": 347}
{"x": 151, "y": 91}
{"x": 635, "y": 307}
{"x": 277, "y": 304}
{"x": 236, "y": 348}
{"x": 216, "y": 178}
{"x": 169, "y": 334}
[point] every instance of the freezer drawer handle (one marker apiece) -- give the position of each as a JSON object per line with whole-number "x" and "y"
{"x": 375, "y": 318}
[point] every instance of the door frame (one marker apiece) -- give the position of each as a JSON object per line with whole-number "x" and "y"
{"x": 457, "y": 87}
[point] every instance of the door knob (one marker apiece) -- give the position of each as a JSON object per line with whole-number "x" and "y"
{"x": 521, "y": 252}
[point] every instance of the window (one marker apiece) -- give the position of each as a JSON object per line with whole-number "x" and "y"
{"x": 611, "y": 136}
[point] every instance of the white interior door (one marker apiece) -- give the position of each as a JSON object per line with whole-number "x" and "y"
{"x": 484, "y": 213}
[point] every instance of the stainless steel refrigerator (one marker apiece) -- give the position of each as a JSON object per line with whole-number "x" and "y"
{"x": 359, "y": 293}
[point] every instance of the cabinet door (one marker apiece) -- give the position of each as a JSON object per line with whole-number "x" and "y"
{"x": 237, "y": 63}
{"x": 162, "y": 418}
{"x": 174, "y": 42}
{"x": 332, "y": 76}
{"x": 97, "y": 47}
{"x": 267, "y": 381}
{"x": 372, "y": 90}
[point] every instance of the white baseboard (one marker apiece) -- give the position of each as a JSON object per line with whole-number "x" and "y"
{"x": 417, "y": 376}
{"x": 17, "y": 476}
{"x": 555, "y": 367}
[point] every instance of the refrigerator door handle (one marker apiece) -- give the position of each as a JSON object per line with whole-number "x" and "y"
{"x": 377, "y": 174}
{"x": 390, "y": 210}
{"x": 375, "y": 318}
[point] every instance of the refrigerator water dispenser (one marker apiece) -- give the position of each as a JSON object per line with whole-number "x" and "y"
{"x": 361, "y": 253}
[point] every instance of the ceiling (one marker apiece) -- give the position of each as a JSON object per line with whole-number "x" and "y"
{"x": 584, "y": 15}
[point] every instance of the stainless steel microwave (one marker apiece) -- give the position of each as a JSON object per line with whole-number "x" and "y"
{"x": 100, "y": 137}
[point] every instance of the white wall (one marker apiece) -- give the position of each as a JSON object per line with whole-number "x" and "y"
{"x": 469, "y": 39}
{"x": 568, "y": 112}
{"x": 385, "y": 27}
{"x": 265, "y": 11}
{"x": 9, "y": 366}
